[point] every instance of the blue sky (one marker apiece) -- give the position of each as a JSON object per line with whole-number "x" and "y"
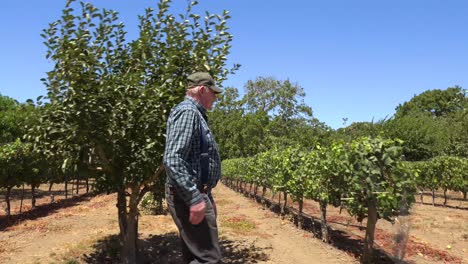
{"x": 354, "y": 58}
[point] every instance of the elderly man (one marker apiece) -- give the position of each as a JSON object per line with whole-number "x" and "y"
{"x": 193, "y": 168}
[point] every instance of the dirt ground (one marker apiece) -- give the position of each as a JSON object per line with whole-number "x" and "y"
{"x": 437, "y": 234}
{"x": 83, "y": 229}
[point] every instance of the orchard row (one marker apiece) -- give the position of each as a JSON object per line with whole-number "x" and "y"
{"x": 368, "y": 177}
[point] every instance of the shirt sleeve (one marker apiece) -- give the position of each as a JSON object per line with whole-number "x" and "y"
{"x": 180, "y": 137}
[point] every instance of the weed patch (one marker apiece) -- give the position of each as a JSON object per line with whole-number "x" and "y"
{"x": 239, "y": 224}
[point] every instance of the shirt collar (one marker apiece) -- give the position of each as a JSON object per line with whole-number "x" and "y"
{"x": 198, "y": 105}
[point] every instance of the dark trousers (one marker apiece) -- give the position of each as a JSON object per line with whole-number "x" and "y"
{"x": 199, "y": 242}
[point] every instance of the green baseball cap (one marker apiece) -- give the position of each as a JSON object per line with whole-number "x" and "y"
{"x": 204, "y": 79}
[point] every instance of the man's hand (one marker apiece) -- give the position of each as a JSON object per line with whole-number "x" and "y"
{"x": 197, "y": 212}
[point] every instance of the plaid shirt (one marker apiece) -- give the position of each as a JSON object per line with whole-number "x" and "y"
{"x": 182, "y": 153}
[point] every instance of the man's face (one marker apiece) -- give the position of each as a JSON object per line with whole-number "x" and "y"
{"x": 208, "y": 97}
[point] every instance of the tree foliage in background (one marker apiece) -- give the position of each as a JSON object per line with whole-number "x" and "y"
{"x": 239, "y": 134}
{"x": 359, "y": 129}
{"x": 17, "y": 167}
{"x": 13, "y": 119}
{"x": 432, "y": 123}
{"x": 437, "y": 103}
{"x": 276, "y": 97}
{"x": 109, "y": 97}
{"x": 271, "y": 113}
{"x": 424, "y": 136}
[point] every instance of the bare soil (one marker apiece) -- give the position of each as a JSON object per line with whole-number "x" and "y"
{"x": 437, "y": 234}
{"x": 84, "y": 228}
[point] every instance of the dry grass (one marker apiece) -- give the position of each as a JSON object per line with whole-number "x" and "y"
{"x": 73, "y": 253}
{"x": 223, "y": 202}
{"x": 239, "y": 225}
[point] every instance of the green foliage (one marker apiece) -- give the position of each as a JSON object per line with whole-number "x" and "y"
{"x": 424, "y": 136}
{"x": 271, "y": 113}
{"x": 432, "y": 123}
{"x": 326, "y": 169}
{"x": 239, "y": 134}
{"x": 369, "y": 168}
{"x": 113, "y": 95}
{"x": 13, "y": 158}
{"x": 378, "y": 174}
{"x": 276, "y": 97}
{"x": 450, "y": 172}
{"x": 264, "y": 169}
{"x": 446, "y": 172}
{"x": 148, "y": 204}
{"x": 19, "y": 164}
{"x": 436, "y": 102}
{"x": 109, "y": 97}
{"x": 457, "y": 127}
{"x": 283, "y": 102}
{"x": 13, "y": 119}
{"x": 359, "y": 129}
{"x": 287, "y": 177}
{"x": 234, "y": 169}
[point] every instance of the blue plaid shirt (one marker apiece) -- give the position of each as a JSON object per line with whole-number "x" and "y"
{"x": 182, "y": 153}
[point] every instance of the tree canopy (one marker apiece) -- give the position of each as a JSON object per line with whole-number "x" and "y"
{"x": 109, "y": 97}
{"x": 436, "y": 102}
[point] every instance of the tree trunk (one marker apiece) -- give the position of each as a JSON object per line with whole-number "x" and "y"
{"x": 250, "y": 189}
{"x": 445, "y": 196}
{"x": 66, "y": 188}
{"x": 130, "y": 249}
{"x": 299, "y": 215}
{"x": 87, "y": 185}
{"x": 323, "y": 221}
{"x": 464, "y": 195}
{"x": 283, "y": 208}
{"x": 22, "y": 199}
{"x": 279, "y": 201}
{"x": 263, "y": 192}
{"x": 367, "y": 255}
{"x": 122, "y": 212}
{"x": 77, "y": 185}
{"x": 50, "y": 192}
{"x": 7, "y": 200}
{"x": 433, "y": 197}
{"x": 421, "y": 197}
{"x": 33, "y": 196}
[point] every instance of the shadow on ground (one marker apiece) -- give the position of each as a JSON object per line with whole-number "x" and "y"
{"x": 445, "y": 206}
{"x": 42, "y": 210}
{"x": 165, "y": 249}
